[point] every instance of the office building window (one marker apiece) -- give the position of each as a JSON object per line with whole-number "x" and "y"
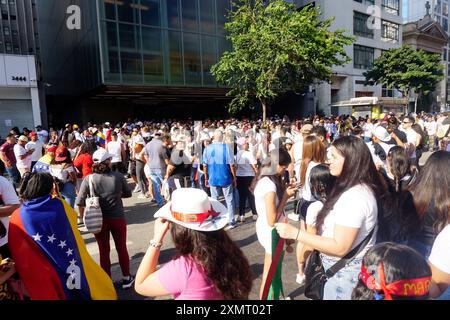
{"x": 445, "y": 24}
{"x": 391, "y": 6}
{"x": 389, "y": 31}
{"x": 445, "y": 9}
{"x": 192, "y": 64}
{"x": 385, "y": 92}
{"x": 437, "y": 8}
{"x": 150, "y": 13}
{"x": 363, "y": 57}
{"x": 189, "y": 10}
{"x": 360, "y": 27}
{"x": 367, "y": 2}
{"x": 6, "y": 31}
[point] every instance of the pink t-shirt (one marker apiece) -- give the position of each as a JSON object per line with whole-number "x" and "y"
{"x": 186, "y": 280}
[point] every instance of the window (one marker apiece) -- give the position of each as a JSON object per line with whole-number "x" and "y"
{"x": 363, "y": 57}
{"x": 6, "y": 31}
{"x": 437, "y": 8}
{"x": 385, "y": 92}
{"x": 445, "y": 24}
{"x": 368, "y": 2}
{"x": 207, "y": 16}
{"x": 150, "y": 12}
{"x": 8, "y": 47}
{"x": 389, "y": 31}
{"x": 189, "y": 10}
{"x": 360, "y": 27}
{"x": 444, "y": 55}
{"x": 445, "y": 9}
{"x": 192, "y": 64}
{"x": 391, "y": 6}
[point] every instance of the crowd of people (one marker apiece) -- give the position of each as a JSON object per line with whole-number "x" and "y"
{"x": 359, "y": 191}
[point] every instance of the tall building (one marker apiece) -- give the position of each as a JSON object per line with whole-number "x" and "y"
{"x": 20, "y": 100}
{"x": 132, "y": 58}
{"x": 415, "y": 10}
{"x": 377, "y": 29}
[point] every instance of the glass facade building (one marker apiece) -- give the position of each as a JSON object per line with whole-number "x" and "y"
{"x": 162, "y": 42}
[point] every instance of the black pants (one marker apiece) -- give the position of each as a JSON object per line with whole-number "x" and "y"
{"x": 243, "y": 185}
{"x": 140, "y": 175}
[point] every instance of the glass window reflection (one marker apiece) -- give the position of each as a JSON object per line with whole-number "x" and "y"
{"x": 192, "y": 67}
{"x": 150, "y": 12}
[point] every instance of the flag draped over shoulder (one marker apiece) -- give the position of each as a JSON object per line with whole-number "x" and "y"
{"x": 43, "y": 164}
{"x": 50, "y": 255}
{"x": 101, "y": 139}
{"x": 273, "y": 287}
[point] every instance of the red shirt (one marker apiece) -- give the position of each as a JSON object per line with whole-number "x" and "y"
{"x": 84, "y": 164}
{"x": 8, "y": 149}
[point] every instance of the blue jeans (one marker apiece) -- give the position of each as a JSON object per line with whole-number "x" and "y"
{"x": 341, "y": 285}
{"x": 228, "y": 194}
{"x": 13, "y": 174}
{"x": 157, "y": 180}
{"x": 69, "y": 194}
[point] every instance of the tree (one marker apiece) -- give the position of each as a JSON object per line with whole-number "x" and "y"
{"x": 406, "y": 70}
{"x": 276, "y": 49}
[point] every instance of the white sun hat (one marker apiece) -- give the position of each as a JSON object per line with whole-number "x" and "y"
{"x": 193, "y": 209}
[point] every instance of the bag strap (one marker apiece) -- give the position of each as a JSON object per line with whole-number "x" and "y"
{"x": 91, "y": 186}
{"x": 349, "y": 256}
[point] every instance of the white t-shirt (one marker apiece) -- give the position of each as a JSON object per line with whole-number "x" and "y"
{"x": 37, "y": 146}
{"x": 440, "y": 254}
{"x": 411, "y": 137}
{"x": 58, "y": 171}
{"x": 368, "y": 129}
{"x": 244, "y": 162}
{"x": 306, "y": 189}
{"x": 9, "y": 197}
{"x": 312, "y": 213}
{"x": 431, "y": 127}
{"x": 356, "y": 208}
{"x": 115, "y": 148}
{"x": 20, "y": 151}
{"x": 298, "y": 152}
{"x": 263, "y": 187}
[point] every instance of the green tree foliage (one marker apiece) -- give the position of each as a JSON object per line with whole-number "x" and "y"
{"x": 277, "y": 49}
{"x": 406, "y": 69}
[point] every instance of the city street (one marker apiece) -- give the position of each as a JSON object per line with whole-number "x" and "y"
{"x": 139, "y": 215}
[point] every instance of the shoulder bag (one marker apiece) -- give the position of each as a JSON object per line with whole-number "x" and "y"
{"x": 315, "y": 274}
{"x": 93, "y": 216}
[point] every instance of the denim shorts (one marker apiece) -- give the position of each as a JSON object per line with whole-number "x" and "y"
{"x": 341, "y": 285}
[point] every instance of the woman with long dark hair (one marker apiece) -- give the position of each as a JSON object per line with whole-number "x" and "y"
{"x": 391, "y": 271}
{"x": 349, "y": 215}
{"x": 431, "y": 193}
{"x": 271, "y": 196}
{"x": 208, "y": 265}
{"x": 110, "y": 187}
{"x": 398, "y": 174}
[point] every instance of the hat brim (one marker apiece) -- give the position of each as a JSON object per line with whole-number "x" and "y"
{"x": 211, "y": 224}
{"x": 60, "y": 159}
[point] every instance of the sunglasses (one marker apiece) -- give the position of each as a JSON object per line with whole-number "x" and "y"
{"x": 406, "y": 122}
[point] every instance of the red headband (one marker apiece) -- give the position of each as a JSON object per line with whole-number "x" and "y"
{"x": 194, "y": 217}
{"x": 404, "y": 288}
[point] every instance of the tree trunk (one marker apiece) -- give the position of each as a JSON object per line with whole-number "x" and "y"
{"x": 264, "y": 110}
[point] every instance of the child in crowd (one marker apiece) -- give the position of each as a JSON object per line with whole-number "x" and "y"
{"x": 393, "y": 271}
{"x": 321, "y": 182}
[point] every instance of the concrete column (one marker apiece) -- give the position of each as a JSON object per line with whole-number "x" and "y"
{"x": 35, "y": 104}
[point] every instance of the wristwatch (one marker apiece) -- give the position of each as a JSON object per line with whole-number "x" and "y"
{"x": 156, "y": 245}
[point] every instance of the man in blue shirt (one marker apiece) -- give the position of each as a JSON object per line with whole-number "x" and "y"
{"x": 218, "y": 162}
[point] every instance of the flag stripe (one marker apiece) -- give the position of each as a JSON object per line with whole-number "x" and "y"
{"x": 32, "y": 264}
{"x": 100, "y": 283}
{"x": 34, "y": 214}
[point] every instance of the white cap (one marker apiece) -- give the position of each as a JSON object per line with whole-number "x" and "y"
{"x": 381, "y": 133}
{"x": 101, "y": 155}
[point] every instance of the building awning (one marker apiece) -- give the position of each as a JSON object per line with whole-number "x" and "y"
{"x": 371, "y": 101}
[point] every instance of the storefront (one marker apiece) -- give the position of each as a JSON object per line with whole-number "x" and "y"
{"x": 19, "y": 95}
{"x": 372, "y": 107}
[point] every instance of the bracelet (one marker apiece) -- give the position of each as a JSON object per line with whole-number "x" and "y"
{"x": 156, "y": 245}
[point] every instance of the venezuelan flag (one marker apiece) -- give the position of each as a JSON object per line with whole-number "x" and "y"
{"x": 50, "y": 255}
{"x": 43, "y": 164}
{"x": 101, "y": 139}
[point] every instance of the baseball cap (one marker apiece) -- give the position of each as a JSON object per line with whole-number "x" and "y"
{"x": 23, "y": 138}
{"x": 52, "y": 148}
{"x": 306, "y": 128}
{"x": 33, "y": 134}
{"x": 61, "y": 153}
{"x": 382, "y": 134}
{"x": 75, "y": 126}
{"x": 101, "y": 155}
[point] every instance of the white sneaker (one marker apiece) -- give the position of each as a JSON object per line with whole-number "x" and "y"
{"x": 294, "y": 217}
{"x": 255, "y": 217}
{"x": 137, "y": 189}
{"x": 242, "y": 218}
{"x": 300, "y": 279}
